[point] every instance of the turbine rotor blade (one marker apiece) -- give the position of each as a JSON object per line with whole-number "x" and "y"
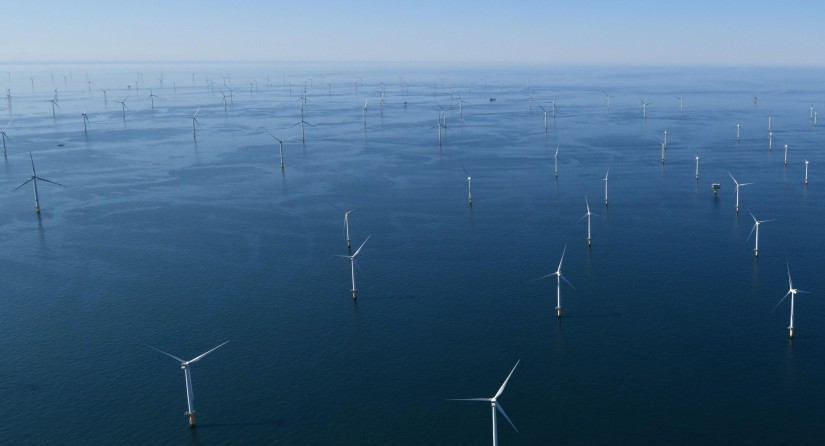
{"x": 362, "y": 245}
{"x": 25, "y": 183}
{"x": 198, "y": 358}
{"x": 167, "y": 354}
{"x": 504, "y": 384}
{"x": 501, "y": 411}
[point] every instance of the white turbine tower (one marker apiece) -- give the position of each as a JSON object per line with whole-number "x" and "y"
{"x": 792, "y": 291}
{"x": 496, "y": 406}
{"x": 697, "y": 166}
{"x": 352, "y": 266}
{"x": 559, "y": 278}
{"x": 738, "y": 185}
{"x": 587, "y": 215}
{"x": 556, "y": 162}
{"x": 644, "y": 108}
{"x": 469, "y": 186}
{"x": 755, "y": 228}
{"x": 605, "y": 185}
{"x": 190, "y": 398}
{"x": 806, "y": 164}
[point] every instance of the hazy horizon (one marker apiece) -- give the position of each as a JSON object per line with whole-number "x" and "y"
{"x": 590, "y": 33}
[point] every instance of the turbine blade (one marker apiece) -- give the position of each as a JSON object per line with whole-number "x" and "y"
{"x": 781, "y": 300}
{"x": 197, "y": 358}
{"x": 362, "y": 245}
{"x": 501, "y": 411}
{"x": 50, "y": 181}
{"x": 504, "y": 384}
{"x": 25, "y": 183}
{"x": 167, "y": 354}
{"x": 568, "y": 282}
{"x": 790, "y": 284}
{"x": 751, "y": 233}
{"x": 468, "y": 399}
{"x": 562, "y": 257}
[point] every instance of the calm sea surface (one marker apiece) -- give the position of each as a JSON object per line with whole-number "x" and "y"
{"x": 670, "y": 336}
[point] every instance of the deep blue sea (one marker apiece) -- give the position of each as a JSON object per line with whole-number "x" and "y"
{"x": 670, "y": 335}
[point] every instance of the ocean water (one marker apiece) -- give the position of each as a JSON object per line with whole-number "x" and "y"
{"x": 671, "y": 333}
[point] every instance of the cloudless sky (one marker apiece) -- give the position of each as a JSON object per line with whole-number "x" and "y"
{"x": 593, "y": 32}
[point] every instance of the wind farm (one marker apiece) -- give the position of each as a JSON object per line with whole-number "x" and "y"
{"x": 210, "y": 219}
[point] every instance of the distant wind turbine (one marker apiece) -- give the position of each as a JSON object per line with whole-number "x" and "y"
{"x": 496, "y": 406}
{"x": 545, "y": 116}
{"x": 587, "y": 216}
{"x": 4, "y": 135}
{"x": 755, "y": 228}
{"x": 644, "y": 108}
{"x": 54, "y": 102}
{"x": 806, "y": 163}
{"x": 33, "y": 180}
{"x": 697, "y": 166}
{"x": 556, "y": 162}
{"x": 786, "y": 154}
{"x": 469, "y": 186}
{"x": 681, "y": 103}
{"x": 281, "y": 148}
{"x": 190, "y": 397}
{"x": 123, "y": 106}
{"x": 605, "y": 185}
{"x": 195, "y": 123}
{"x": 85, "y": 119}
{"x": 352, "y": 266}
{"x": 792, "y": 291}
{"x": 152, "y": 96}
{"x": 559, "y": 278}
{"x": 738, "y": 185}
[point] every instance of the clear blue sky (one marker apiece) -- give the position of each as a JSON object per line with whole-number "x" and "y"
{"x": 601, "y": 32}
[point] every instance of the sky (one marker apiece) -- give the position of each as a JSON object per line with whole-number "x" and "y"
{"x": 571, "y": 32}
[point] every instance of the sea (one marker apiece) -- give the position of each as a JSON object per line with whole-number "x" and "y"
{"x": 182, "y": 235}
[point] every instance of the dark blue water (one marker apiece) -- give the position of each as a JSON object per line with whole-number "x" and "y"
{"x": 668, "y": 337}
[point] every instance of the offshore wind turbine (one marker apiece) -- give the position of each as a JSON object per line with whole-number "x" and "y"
{"x": 496, "y": 406}
{"x": 587, "y": 215}
{"x": 792, "y": 291}
{"x": 755, "y": 227}
{"x": 302, "y": 122}
{"x": 195, "y": 123}
{"x": 365, "y": 111}
{"x": 607, "y": 99}
{"x": 123, "y": 106}
{"x": 190, "y": 397}
{"x": 352, "y": 266}
{"x": 786, "y": 154}
{"x": 223, "y": 100}
{"x": 105, "y": 96}
{"x": 33, "y": 180}
{"x": 346, "y": 227}
{"x": 85, "y": 119}
{"x": 54, "y": 103}
{"x": 439, "y": 126}
{"x": 605, "y": 185}
{"x": 738, "y": 185}
{"x": 3, "y": 134}
{"x": 644, "y": 108}
{"x": 697, "y": 166}
{"x": 770, "y": 140}
{"x": 737, "y": 132}
{"x": 469, "y": 186}
{"x": 556, "y": 162}
{"x": 152, "y": 97}
{"x": 806, "y": 162}
{"x": 545, "y": 116}
{"x": 681, "y": 103}
{"x": 559, "y": 278}
{"x": 281, "y": 149}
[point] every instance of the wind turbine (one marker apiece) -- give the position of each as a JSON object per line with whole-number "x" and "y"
{"x": 556, "y": 162}
{"x": 281, "y": 148}
{"x": 3, "y": 134}
{"x": 806, "y": 161}
{"x": 85, "y": 119}
{"x": 8, "y": 97}
{"x": 792, "y": 291}
{"x": 697, "y": 166}
{"x": 786, "y": 154}
{"x": 223, "y": 100}
{"x": 607, "y": 99}
{"x": 54, "y": 103}
{"x": 587, "y": 215}
{"x": 366, "y": 112}
{"x": 346, "y": 226}
{"x": 469, "y": 186}
{"x": 152, "y": 96}
{"x": 461, "y": 108}
{"x": 190, "y": 397}
{"x": 352, "y": 265}
{"x": 559, "y": 277}
{"x": 545, "y": 116}
{"x": 770, "y": 140}
{"x": 105, "y": 97}
{"x": 681, "y": 103}
{"x": 756, "y": 228}
{"x": 605, "y": 185}
{"x": 195, "y": 123}
{"x": 737, "y": 132}
{"x": 33, "y": 180}
{"x": 439, "y": 126}
{"x": 644, "y": 108}
{"x": 738, "y": 185}
{"x": 302, "y": 122}
{"x": 123, "y": 106}
{"x": 496, "y": 406}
